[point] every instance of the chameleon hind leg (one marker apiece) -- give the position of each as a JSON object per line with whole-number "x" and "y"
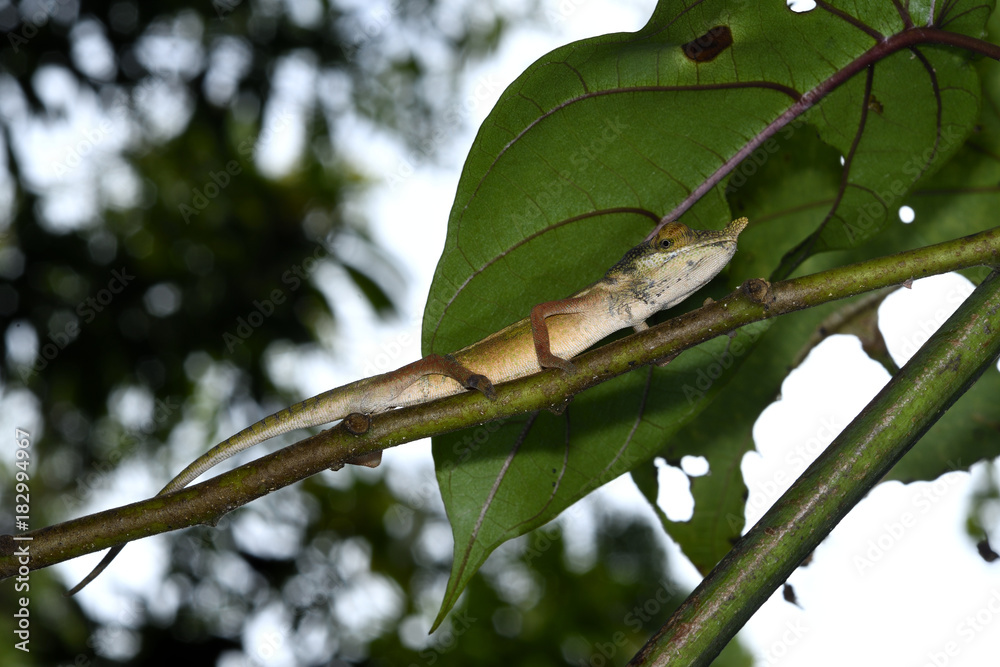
{"x": 401, "y": 379}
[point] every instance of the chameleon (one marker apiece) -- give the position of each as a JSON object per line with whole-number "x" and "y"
{"x": 657, "y": 274}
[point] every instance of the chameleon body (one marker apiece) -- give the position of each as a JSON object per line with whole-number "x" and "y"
{"x": 654, "y": 275}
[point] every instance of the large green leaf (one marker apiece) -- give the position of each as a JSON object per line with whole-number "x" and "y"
{"x": 601, "y": 138}
{"x": 499, "y": 482}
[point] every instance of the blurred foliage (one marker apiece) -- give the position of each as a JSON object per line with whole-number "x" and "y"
{"x": 146, "y": 240}
{"x": 163, "y": 110}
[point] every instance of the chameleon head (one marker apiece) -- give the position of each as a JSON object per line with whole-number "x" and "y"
{"x": 678, "y": 260}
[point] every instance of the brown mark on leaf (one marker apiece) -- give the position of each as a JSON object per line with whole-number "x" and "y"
{"x": 707, "y": 47}
{"x": 874, "y": 104}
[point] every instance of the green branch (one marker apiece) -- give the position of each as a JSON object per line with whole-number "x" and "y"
{"x": 755, "y": 301}
{"x": 913, "y": 400}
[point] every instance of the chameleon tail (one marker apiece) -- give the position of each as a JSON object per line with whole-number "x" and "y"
{"x": 319, "y": 409}
{"x": 364, "y": 396}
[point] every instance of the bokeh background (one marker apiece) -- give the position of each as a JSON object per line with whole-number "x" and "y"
{"x": 211, "y": 210}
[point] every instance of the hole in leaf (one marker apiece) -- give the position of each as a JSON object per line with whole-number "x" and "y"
{"x": 674, "y": 495}
{"x": 694, "y": 466}
{"x": 906, "y": 214}
{"x": 801, "y": 6}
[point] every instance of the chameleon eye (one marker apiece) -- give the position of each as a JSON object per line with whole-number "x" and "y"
{"x": 666, "y": 243}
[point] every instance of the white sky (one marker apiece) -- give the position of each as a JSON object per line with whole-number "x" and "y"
{"x": 908, "y": 607}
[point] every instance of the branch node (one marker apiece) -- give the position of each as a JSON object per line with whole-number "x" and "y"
{"x": 758, "y": 290}
{"x": 357, "y": 423}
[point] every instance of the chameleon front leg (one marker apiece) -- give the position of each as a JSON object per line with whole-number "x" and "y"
{"x": 540, "y": 330}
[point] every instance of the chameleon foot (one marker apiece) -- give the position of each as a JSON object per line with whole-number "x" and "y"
{"x": 552, "y": 361}
{"x": 481, "y": 383}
